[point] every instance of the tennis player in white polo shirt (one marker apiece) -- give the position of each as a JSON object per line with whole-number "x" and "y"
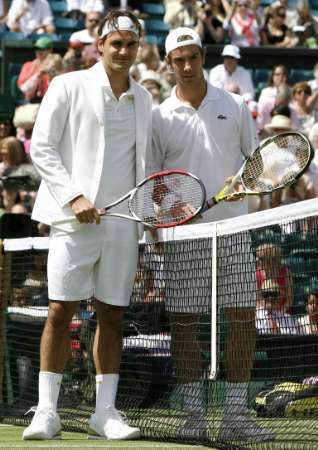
{"x": 89, "y": 145}
{"x": 209, "y": 132}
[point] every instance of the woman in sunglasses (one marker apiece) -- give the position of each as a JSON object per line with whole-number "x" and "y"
{"x": 275, "y": 32}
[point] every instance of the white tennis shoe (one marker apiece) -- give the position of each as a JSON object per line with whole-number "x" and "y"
{"x": 112, "y": 424}
{"x": 45, "y": 425}
{"x": 243, "y": 428}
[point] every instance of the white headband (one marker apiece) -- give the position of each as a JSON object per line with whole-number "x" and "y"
{"x": 124, "y": 23}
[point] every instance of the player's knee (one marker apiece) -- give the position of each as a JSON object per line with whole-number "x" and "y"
{"x": 60, "y": 314}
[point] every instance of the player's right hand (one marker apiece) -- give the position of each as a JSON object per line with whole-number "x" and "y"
{"x": 84, "y": 210}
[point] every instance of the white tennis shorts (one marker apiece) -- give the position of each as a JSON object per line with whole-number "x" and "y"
{"x": 96, "y": 260}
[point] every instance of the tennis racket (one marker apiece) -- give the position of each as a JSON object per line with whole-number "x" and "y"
{"x": 162, "y": 200}
{"x": 275, "y": 164}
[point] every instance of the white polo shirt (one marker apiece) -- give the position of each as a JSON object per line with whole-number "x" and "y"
{"x": 119, "y": 164}
{"x": 39, "y": 13}
{"x": 211, "y": 142}
{"x": 220, "y": 77}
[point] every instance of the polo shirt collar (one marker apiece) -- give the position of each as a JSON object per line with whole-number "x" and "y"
{"x": 175, "y": 103}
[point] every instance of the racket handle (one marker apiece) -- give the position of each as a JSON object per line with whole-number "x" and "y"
{"x": 209, "y": 204}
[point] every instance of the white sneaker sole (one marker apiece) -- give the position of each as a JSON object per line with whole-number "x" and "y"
{"x": 39, "y": 437}
{"x": 93, "y": 436}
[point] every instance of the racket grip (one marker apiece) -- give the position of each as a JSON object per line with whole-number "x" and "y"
{"x": 209, "y": 204}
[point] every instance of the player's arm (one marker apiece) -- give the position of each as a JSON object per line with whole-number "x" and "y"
{"x": 45, "y": 144}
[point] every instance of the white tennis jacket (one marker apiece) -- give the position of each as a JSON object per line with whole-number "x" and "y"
{"x": 68, "y": 140}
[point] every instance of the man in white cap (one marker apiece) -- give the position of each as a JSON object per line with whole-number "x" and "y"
{"x": 230, "y": 72}
{"x": 209, "y": 132}
{"x": 89, "y": 145}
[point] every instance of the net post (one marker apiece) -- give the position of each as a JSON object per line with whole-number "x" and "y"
{"x": 213, "y": 369}
{"x": 5, "y": 288}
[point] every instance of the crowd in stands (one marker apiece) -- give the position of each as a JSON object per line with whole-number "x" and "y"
{"x": 277, "y": 107}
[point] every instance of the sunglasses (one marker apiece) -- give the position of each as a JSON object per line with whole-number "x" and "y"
{"x": 301, "y": 91}
{"x": 283, "y": 16}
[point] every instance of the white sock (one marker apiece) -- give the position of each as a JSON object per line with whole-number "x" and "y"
{"x": 193, "y": 396}
{"x": 106, "y": 390}
{"x": 235, "y": 399}
{"x": 49, "y": 389}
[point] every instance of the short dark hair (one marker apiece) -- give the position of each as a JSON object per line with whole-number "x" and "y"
{"x": 112, "y": 18}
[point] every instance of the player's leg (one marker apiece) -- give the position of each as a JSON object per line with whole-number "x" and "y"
{"x": 114, "y": 278}
{"x": 237, "y": 296}
{"x": 187, "y": 360}
{"x": 70, "y": 277}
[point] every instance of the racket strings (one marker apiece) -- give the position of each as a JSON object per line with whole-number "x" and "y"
{"x": 278, "y": 163}
{"x": 167, "y": 199}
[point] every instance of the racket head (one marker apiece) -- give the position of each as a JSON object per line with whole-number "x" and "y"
{"x": 277, "y": 163}
{"x": 168, "y": 198}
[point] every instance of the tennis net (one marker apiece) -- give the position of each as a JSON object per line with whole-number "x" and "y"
{"x": 197, "y": 355}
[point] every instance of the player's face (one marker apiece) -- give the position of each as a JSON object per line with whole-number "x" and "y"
{"x": 119, "y": 51}
{"x": 187, "y": 64}
{"x": 312, "y": 306}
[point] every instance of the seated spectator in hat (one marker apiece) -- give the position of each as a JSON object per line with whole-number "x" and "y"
{"x": 78, "y": 9}
{"x": 308, "y": 323}
{"x": 89, "y": 34}
{"x": 243, "y": 24}
{"x": 35, "y": 75}
{"x": 151, "y": 81}
{"x": 4, "y": 8}
{"x": 275, "y": 32}
{"x": 270, "y": 319}
{"x": 276, "y": 105}
{"x": 231, "y": 72}
{"x": 182, "y": 13}
{"x": 211, "y": 18}
{"x": 303, "y": 102}
{"x": 278, "y": 124}
{"x": 30, "y": 16}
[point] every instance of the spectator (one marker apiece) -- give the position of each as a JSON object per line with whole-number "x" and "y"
{"x": 269, "y": 266}
{"x": 313, "y": 168}
{"x": 149, "y": 59}
{"x": 30, "y": 16}
{"x": 73, "y": 58}
{"x": 4, "y": 8}
{"x": 211, "y": 23}
{"x": 278, "y": 77}
{"x": 11, "y": 153}
{"x": 243, "y": 24}
{"x": 6, "y": 126}
{"x": 303, "y": 103}
{"x": 269, "y": 318}
{"x": 306, "y": 20}
{"x": 78, "y": 9}
{"x": 278, "y": 124}
{"x": 304, "y": 37}
{"x": 275, "y": 32}
{"x": 152, "y": 82}
{"x": 230, "y": 72}
{"x": 308, "y": 324}
{"x": 182, "y": 13}
{"x": 89, "y": 34}
{"x": 276, "y": 105}
{"x": 291, "y": 12}
{"x": 35, "y": 75}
